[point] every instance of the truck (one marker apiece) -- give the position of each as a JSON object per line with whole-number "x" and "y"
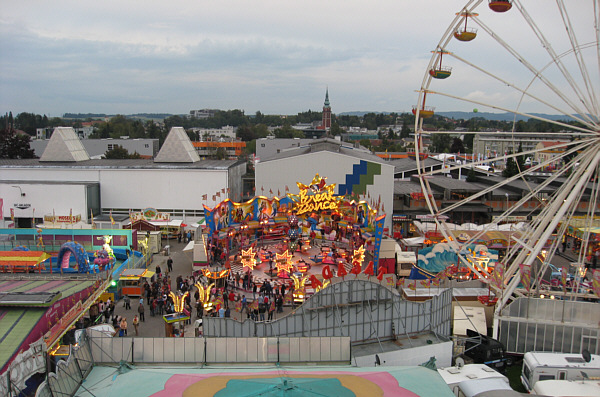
{"x": 539, "y": 366}
{"x": 483, "y": 349}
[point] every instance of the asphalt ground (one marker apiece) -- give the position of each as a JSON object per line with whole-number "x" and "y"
{"x": 154, "y": 326}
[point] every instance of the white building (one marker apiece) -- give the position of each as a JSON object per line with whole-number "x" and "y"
{"x": 96, "y": 148}
{"x": 205, "y": 134}
{"x": 66, "y": 181}
{"x": 352, "y": 169}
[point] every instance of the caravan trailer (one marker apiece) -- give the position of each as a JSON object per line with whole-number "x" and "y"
{"x": 538, "y": 366}
{"x": 564, "y": 388}
{"x": 466, "y": 380}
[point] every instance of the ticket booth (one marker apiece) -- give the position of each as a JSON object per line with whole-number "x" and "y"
{"x": 132, "y": 281}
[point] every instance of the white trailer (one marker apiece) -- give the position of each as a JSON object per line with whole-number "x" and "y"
{"x": 564, "y": 388}
{"x": 542, "y": 366}
{"x": 473, "y": 379}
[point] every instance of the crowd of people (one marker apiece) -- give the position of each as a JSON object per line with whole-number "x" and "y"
{"x": 239, "y": 292}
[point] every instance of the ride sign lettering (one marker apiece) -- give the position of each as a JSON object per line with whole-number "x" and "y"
{"x": 315, "y": 202}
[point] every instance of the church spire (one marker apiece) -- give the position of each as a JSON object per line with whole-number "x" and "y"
{"x": 326, "y": 124}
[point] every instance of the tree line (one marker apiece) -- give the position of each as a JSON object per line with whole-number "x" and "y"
{"x": 252, "y": 127}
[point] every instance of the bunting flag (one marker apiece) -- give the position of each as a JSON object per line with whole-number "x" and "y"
{"x": 278, "y": 193}
{"x": 254, "y": 188}
{"x": 12, "y": 214}
{"x": 435, "y": 282}
{"x": 205, "y": 197}
{"x": 596, "y": 281}
{"x": 92, "y": 217}
{"x": 287, "y": 298}
{"x": 218, "y": 194}
{"x": 426, "y": 283}
{"x": 228, "y": 190}
{"x": 223, "y": 190}
{"x": 400, "y": 282}
{"x": 238, "y": 306}
{"x": 262, "y": 189}
{"x": 271, "y": 192}
{"x": 412, "y": 284}
{"x": 214, "y": 198}
{"x": 342, "y": 271}
{"x": 497, "y": 277}
{"x": 564, "y": 273}
{"x": 526, "y": 276}
{"x": 112, "y": 220}
{"x": 287, "y": 189}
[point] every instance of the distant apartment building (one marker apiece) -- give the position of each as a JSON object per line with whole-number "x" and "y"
{"x": 203, "y": 113}
{"x": 550, "y": 152}
{"x": 209, "y": 149}
{"x": 82, "y": 132}
{"x": 491, "y": 145}
{"x": 215, "y": 134}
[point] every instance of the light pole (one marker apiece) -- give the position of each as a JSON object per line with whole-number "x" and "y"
{"x": 506, "y": 194}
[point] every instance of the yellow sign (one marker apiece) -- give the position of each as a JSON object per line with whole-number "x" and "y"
{"x": 316, "y": 197}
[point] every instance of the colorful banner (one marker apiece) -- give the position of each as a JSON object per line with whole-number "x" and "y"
{"x": 525, "y": 276}
{"x": 596, "y": 281}
{"x": 564, "y": 274}
{"x": 150, "y": 214}
{"x": 497, "y": 276}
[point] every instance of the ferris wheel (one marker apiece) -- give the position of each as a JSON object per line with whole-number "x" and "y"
{"x": 535, "y": 60}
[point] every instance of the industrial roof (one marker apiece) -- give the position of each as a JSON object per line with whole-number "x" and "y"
{"x": 20, "y": 311}
{"x": 118, "y": 164}
{"x": 329, "y": 145}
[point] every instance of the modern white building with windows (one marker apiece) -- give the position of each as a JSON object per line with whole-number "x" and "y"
{"x": 65, "y": 180}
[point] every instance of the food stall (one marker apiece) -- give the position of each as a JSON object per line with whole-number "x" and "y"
{"x": 131, "y": 281}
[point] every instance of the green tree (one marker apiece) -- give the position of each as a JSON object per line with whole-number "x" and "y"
{"x": 119, "y": 152}
{"x": 336, "y": 129}
{"x": 457, "y": 146}
{"x": 511, "y": 168}
{"x": 286, "y": 131}
{"x": 365, "y": 142}
{"x": 15, "y": 146}
{"x": 440, "y": 143}
{"x": 221, "y": 153}
{"x": 471, "y": 177}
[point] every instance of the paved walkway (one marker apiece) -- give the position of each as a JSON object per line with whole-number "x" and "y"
{"x": 154, "y": 326}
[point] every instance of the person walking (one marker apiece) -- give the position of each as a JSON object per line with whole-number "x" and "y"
{"x": 127, "y": 302}
{"x": 123, "y": 327}
{"x": 170, "y": 264}
{"x": 136, "y": 324}
{"x": 141, "y": 312}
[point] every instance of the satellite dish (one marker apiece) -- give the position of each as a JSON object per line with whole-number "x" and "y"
{"x": 460, "y": 362}
{"x": 377, "y": 360}
{"x": 587, "y": 357}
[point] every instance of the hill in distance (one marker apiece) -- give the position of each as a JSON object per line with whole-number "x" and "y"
{"x": 470, "y": 115}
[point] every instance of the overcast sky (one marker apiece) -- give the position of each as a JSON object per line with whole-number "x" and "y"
{"x": 277, "y": 57}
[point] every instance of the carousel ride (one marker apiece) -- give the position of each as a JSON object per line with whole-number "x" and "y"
{"x": 298, "y": 240}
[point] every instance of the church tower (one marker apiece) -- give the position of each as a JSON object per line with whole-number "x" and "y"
{"x": 326, "y": 112}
